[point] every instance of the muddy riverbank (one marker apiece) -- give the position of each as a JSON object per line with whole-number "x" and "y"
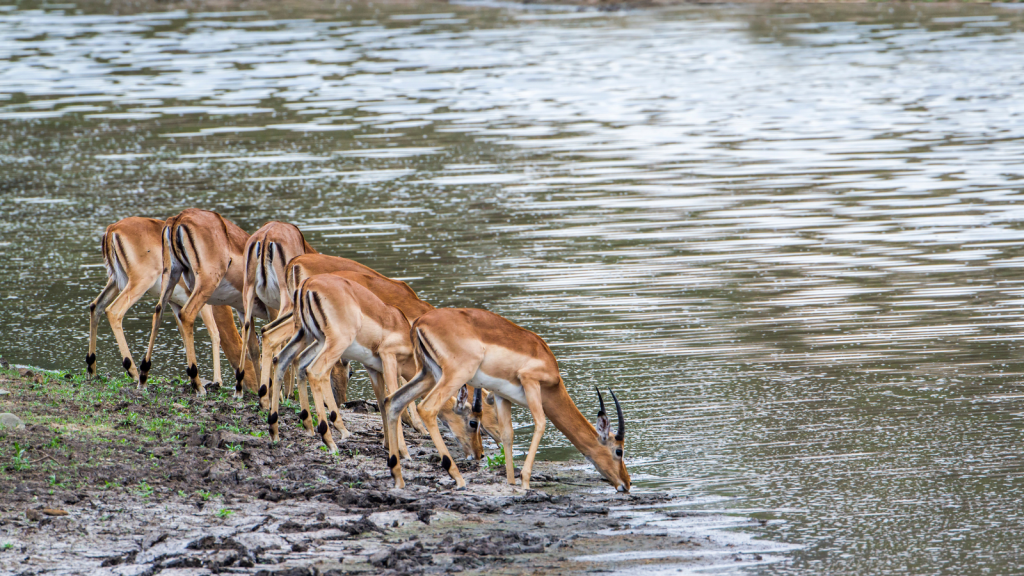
{"x": 105, "y": 479}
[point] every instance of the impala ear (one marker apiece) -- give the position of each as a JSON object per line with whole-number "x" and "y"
{"x": 604, "y": 426}
{"x": 461, "y": 399}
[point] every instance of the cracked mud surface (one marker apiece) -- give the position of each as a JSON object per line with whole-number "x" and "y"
{"x": 106, "y": 479}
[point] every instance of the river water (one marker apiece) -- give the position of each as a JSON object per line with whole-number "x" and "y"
{"x": 789, "y": 237}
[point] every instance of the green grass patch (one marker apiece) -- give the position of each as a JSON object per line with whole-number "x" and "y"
{"x": 497, "y": 460}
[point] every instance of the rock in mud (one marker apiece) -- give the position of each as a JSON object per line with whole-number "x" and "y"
{"x": 125, "y": 570}
{"x": 4, "y": 392}
{"x": 8, "y": 420}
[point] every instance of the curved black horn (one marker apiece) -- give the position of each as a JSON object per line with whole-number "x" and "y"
{"x": 621, "y": 433}
{"x": 478, "y": 397}
{"x": 601, "y": 400}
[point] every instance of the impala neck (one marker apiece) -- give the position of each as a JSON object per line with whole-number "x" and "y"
{"x": 563, "y": 413}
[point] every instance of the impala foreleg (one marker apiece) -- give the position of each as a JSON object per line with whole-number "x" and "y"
{"x": 252, "y": 258}
{"x": 503, "y": 413}
{"x": 231, "y": 343}
{"x": 168, "y": 282}
{"x": 97, "y": 307}
{"x": 305, "y": 416}
{"x": 210, "y": 321}
{"x": 535, "y": 402}
{"x": 339, "y": 381}
{"x": 391, "y": 438}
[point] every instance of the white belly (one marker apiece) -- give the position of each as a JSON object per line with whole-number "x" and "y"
{"x": 503, "y": 388}
{"x": 179, "y": 296}
{"x": 225, "y": 294}
{"x": 363, "y": 355}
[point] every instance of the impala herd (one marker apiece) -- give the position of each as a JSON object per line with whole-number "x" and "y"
{"x": 468, "y": 365}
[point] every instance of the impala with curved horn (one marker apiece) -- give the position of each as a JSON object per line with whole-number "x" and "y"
{"x": 458, "y": 346}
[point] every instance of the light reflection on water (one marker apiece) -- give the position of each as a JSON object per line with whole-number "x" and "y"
{"x": 791, "y": 240}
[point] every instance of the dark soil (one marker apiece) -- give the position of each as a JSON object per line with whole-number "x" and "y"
{"x": 107, "y": 479}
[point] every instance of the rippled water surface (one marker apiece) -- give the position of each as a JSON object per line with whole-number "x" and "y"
{"x": 790, "y": 237}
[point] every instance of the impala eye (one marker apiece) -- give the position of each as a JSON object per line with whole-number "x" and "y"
{"x": 472, "y": 424}
{"x": 618, "y": 452}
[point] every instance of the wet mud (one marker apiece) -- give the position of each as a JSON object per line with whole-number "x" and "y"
{"x": 107, "y": 479}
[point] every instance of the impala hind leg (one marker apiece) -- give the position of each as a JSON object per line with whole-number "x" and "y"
{"x": 315, "y": 365}
{"x": 275, "y": 336}
{"x": 503, "y": 412}
{"x": 97, "y": 307}
{"x": 411, "y": 415}
{"x": 449, "y": 383}
{"x": 391, "y": 410}
{"x": 116, "y": 310}
{"x": 330, "y": 404}
{"x": 281, "y": 360}
{"x": 203, "y": 290}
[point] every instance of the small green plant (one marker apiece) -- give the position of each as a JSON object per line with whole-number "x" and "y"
{"x": 19, "y": 461}
{"x": 234, "y": 447}
{"x": 54, "y": 443}
{"x": 182, "y": 494}
{"x": 159, "y": 425}
{"x": 257, "y": 433}
{"x": 206, "y": 495}
{"x": 497, "y": 460}
{"x": 8, "y": 545}
{"x": 355, "y": 484}
{"x": 353, "y": 452}
{"x": 224, "y": 513}
{"x": 144, "y": 490}
{"x": 52, "y": 480}
{"x": 107, "y": 484}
